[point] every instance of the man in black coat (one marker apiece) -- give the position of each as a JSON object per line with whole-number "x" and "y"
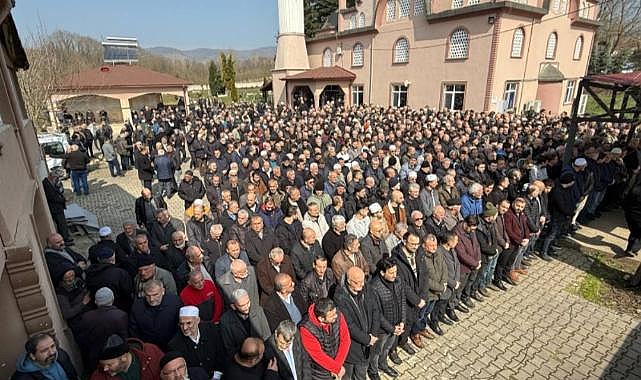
{"x": 144, "y": 167}
{"x": 58, "y": 256}
{"x": 105, "y": 273}
{"x": 284, "y": 303}
{"x": 259, "y": 240}
{"x": 286, "y": 342}
{"x": 43, "y": 354}
{"x": 303, "y": 253}
{"x": 126, "y": 244}
{"x": 362, "y": 317}
{"x": 145, "y": 208}
{"x": 413, "y": 273}
{"x": 190, "y": 188}
{"x": 200, "y": 343}
{"x": 563, "y": 203}
{"x": 388, "y": 292}
{"x": 334, "y": 239}
{"x": 55, "y": 194}
{"x": 154, "y": 318}
{"x": 95, "y": 326}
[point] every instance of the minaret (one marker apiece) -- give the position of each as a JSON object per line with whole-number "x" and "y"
{"x": 291, "y": 51}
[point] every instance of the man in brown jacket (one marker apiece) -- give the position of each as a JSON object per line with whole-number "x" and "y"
{"x": 349, "y": 256}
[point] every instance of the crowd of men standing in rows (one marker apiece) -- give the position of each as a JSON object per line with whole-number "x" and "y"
{"x": 319, "y": 243}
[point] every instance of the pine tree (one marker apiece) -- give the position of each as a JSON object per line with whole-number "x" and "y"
{"x": 229, "y": 75}
{"x": 216, "y": 86}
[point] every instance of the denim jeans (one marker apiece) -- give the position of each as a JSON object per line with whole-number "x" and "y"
{"x": 594, "y": 200}
{"x": 485, "y": 277}
{"x": 114, "y": 167}
{"x": 79, "y": 181}
{"x": 423, "y": 317}
{"x": 519, "y": 257}
{"x": 125, "y": 162}
{"x": 557, "y": 227}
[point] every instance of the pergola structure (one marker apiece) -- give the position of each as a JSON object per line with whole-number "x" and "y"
{"x": 117, "y": 89}
{"x": 607, "y": 90}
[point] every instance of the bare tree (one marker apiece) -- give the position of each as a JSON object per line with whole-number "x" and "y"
{"x": 44, "y": 74}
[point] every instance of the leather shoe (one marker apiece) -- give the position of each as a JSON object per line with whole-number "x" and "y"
{"x": 452, "y": 315}
{"x": 484, "y": 292}
{"x": 393, "y": 356}
{"x": 436, "y": 328}
{"x": 477, "y": 297}
{"x": 509, "y": 280}
{"x": 407, "y": 348}
{"x": 514, "y": 276}
{"x": 499, "y": 284}
{"x": 521, "y": 271}
{"x": 468, "y": 303}
{"x": 446, "y": 320}
{"x": 426, "y": 334}
{"x": 546, "y": 257}
{"x": 416, "y": 339}
{"x": 389, "y": 371}
{"x": 373, "y": 376}
{"x": 492, "y": 287}
{"x": 460, "y": 307}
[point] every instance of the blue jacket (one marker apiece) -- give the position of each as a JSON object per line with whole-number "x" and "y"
{"x": 61, "y": 369}
{"x": 471, "y": 206}
{"x": 164, "y": 167}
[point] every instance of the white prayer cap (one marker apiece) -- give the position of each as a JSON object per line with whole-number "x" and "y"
{"x": 189, "y": 311}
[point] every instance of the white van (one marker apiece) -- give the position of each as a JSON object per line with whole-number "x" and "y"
{"x": 54, "y": 147}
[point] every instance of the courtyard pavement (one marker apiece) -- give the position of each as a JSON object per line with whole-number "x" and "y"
{"x": 536, "y": 330}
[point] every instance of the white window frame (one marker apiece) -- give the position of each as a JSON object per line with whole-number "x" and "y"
{"x": 517, "y": 42}
{"x": 361, "y": 20}
{"x": 551, "y": 45}
{"x": 327, "y": 57}
{"x": 358, "y": 62}
{"x": 510, "y": 94}
{"x": 570, "y": 87}
{"x": 397, "y": 91}
{"x": 358, "y": 89}
{"x": 578, "y": 48}
{"x": 456, "y": 90}
{"x": 352, "y": 22}
{"x": 397, "y": 52}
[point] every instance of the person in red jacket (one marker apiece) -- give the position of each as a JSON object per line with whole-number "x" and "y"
{"x": 326, "y": 339}
{"x": 517, "y": 230}
{"x": 203, "y": 294}
{"x": 128, "y": 359}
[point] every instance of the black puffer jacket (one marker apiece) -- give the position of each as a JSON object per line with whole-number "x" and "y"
{"x": 533, "y": 211}
{"x": 391, "y": 303}
{"x": 486, "y": 235}
{"x": 117, "y": 279}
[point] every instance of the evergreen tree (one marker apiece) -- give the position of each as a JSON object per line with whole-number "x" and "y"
{"x": 229, "y": 75}
{"x": 216, "y": 86}
{"x": 316, "y": 13}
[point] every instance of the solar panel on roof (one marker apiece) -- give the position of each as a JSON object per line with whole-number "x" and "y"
{"x": 120, "y": 50}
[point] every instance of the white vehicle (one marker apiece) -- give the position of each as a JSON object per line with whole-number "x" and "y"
{"x": 54, "y": 147}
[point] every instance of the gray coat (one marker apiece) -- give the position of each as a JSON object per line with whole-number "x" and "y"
{"x": 373, "y": 252}
{"x": 429, "y": 199}
{"x": 108, "y": 152}
{"x": 227, "y": 285}
{"x": 453, "y": 266}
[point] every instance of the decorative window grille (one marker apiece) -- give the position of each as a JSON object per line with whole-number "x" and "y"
{"x": 401, "y": 51}
{"x": 517, "y": 42}
{"x": 419, "y": 7}
{"x": 459, "y": 44}
{"x": 361, "y": 20}
{"x": 390, "y": 12}
{"x": 357, "y": 55}
{"x": 327, "y": 58}
{"x": 404, "y": 9}
{"x": 550, "y": 51}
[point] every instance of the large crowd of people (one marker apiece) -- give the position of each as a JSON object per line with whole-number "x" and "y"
{"x": 316, "y": 243}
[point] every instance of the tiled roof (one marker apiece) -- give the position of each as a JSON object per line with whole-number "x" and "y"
{"x": 626, "y": 79}
{"x": 324, "y": 73}
{"x": 120, "y": 76}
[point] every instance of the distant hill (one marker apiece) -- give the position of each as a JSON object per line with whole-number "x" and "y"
{"x": 206, "y": 54}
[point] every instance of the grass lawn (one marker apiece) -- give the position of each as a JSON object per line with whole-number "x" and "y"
{"x": 592, "y": 108}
